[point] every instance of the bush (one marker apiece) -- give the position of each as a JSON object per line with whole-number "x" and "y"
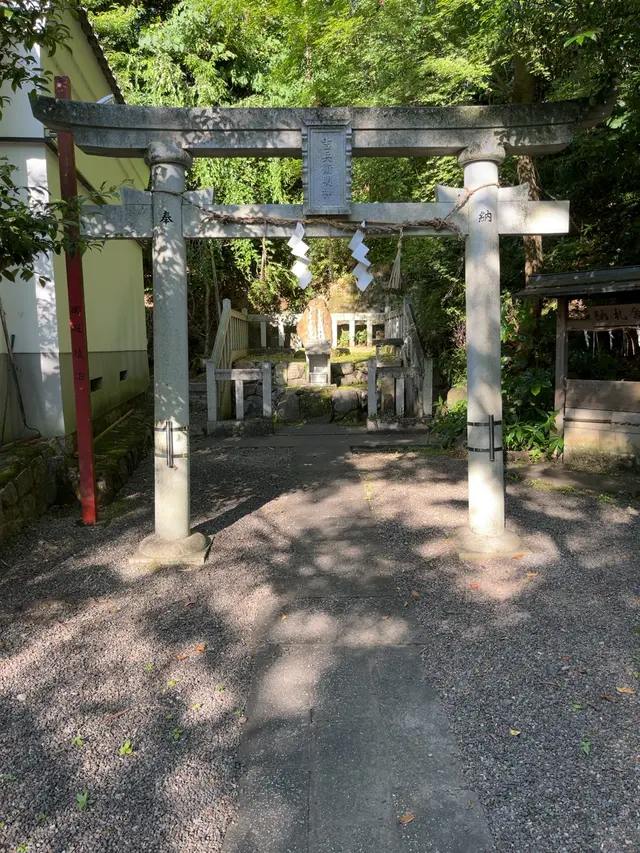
{"x": 528, "y": 421}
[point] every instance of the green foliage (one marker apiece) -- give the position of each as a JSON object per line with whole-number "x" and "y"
{"x": 82, "y": 800}
{"x": 527, "y": 425}
{"x": 126, "y": 748}
{"x": 26, "y": 26}
{"x": 406, "y": 52}
{"x": 30, "y": 222}
{"x": 450, "y": 422}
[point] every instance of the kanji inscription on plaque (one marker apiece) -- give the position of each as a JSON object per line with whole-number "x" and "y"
{"x": 326, "y": 169}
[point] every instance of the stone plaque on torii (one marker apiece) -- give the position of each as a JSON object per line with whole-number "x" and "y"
{"x": 327, "y": 138}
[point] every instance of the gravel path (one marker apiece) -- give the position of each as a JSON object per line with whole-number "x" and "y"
{"x": 94, "y": 653}
{"x": 530, "y": 645}
{"x": 546, "y": 646}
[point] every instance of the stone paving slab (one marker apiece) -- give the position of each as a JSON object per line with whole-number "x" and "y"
{"x": 344, "y": 734}
{"x": 274, "y": 816}
{"x": 346, "y": 621}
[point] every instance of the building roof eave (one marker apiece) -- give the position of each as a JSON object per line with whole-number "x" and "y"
{"x": 98, "y": 52}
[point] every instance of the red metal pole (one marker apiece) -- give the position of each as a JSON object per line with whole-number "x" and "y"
{"x": 77, "y": 322}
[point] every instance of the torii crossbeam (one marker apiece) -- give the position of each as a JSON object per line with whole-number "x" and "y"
{"x": 326, "y": 139}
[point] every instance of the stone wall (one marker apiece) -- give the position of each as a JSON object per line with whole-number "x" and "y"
{"x": 349, "y": 373}
{"x": 35, "y": 476}
{"x": 294, "y": 401}
{"x": 29, "y": 478}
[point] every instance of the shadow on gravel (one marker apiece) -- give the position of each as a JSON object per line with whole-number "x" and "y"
{"x": 94, "y": 654}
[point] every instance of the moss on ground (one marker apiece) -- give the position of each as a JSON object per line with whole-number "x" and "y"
{"x": 355, "y": 356}
{"x": 315, "y": 403}
{"x": 274, "y": 357}
{"x": 16, "y": 459}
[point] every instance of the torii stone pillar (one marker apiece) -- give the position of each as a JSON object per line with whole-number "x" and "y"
{"x": 486, "y": 532}
{"x": 172, "y": 540}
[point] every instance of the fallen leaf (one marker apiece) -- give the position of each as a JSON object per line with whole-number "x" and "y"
{"x": 565, "y": 657}
{"x": 518, "y": 556}
{"x": 189, "y": 603}
{"x": 385, "y": 617}
{"x": 469, "y": 804}
{"x": 626, "y": 690}
{"x": 406, "y": 604}
{"x": 474, "y": 585}
{"x": 197, "y": 706}
{"x": 200, "y": 648}
{"x": 514, "y": 732}
{"x": 415, "y": 594}
{"x": 283, "y": 616}
{"x": 608, "y": 698}
{"x": 532, "y": 574}
{"x": 182, "y": 656}
{"x": 406, "y": 818}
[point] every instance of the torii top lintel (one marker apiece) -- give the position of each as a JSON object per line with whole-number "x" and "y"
{"x": 117, "y": 130}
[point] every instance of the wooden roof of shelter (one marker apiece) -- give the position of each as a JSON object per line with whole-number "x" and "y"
{"x": 584, "y": 284}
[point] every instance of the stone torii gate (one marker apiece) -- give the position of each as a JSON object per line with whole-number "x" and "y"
{"x": 326, "y": 139}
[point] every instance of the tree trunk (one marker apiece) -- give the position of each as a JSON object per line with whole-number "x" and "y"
{"x": 207, "y": 301}
{"x": 533, "y": 256}
{"x": 524, "y": 92}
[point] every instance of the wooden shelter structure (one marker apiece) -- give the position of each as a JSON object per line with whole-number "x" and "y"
{"x": 594, "y": 414}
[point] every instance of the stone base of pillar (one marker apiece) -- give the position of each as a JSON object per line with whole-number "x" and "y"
{"x": 471, "y": 546}
{"x": 154, "y": 551}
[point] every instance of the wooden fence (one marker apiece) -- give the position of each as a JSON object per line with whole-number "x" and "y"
{"x": 231, "y": 343}
{"x": 414, "y": 377}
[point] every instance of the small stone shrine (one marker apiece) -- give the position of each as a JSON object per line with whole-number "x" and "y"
{"x": 314, "y": 330}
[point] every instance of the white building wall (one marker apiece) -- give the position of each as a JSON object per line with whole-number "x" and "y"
{"x": 114, "y": 295}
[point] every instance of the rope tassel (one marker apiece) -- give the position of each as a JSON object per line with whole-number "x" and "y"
{"x": 394, "y": 278}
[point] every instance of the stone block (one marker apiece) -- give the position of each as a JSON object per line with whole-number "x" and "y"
{"x": 342, "y": 368}
{"x": 251, "y": 388}
{"x": 12, "y": 513}
{"x": 296, "y": 373}
{"x": 280, "y": 374}
{"x": 29, "y": 507}
{"x": 253, "y": 406}
{"x": 124, "y": 469}
{"x": 315, "y": 405}
{"x": 456, "y": 395}
{"x": 10, "y": 528}
{"x": 24, "y": 482}
{"x": 247, "y": 427}
{"x": 362, "y": 372}
{"x": 39, "y": 470}
{"x": 245, "y": 364}
{"x": 288, "y": 407}
{"x": 349, "y": 379}
{"x": 345, "y": 402}
{"x": 9, "y": 495}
